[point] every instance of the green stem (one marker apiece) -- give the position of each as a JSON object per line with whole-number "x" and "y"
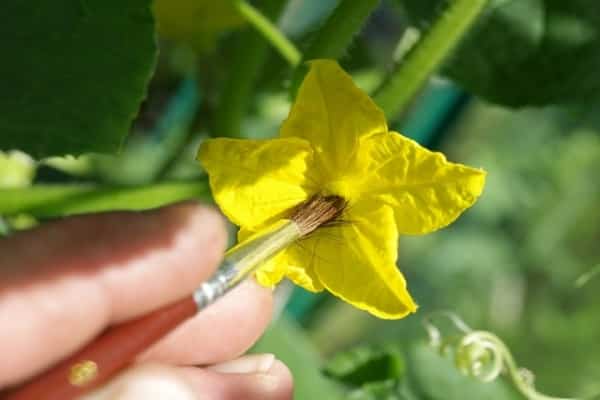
{"x": 249, "y": 56}
{"x": 285, "y": 47}
{"x": 335, "y": 36}
{"x": 338, "y": 31}
{"x": 409, "y": 76}
{"x": 49, "y": 201}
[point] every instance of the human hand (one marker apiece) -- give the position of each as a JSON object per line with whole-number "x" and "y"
{"x": 66, "y": 281}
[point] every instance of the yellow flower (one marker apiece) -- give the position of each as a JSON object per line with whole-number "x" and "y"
{"x": 196, "y": 22}
{"x": 336, "y": 141}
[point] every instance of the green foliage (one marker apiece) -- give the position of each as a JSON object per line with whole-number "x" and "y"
{"x": 74, "y": 73}
{"x": 423, "y": 59}
{"x": 365, "y": 364}
{"x": 526, "y": 52}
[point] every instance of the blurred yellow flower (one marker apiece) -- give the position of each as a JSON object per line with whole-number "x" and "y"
{"x": 196, "y": 22}
{"x": 336, "y": 141}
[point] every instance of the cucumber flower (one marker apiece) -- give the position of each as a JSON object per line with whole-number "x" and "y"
{"x": 335, "y": 141}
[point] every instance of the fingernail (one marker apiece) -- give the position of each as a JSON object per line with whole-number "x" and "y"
{"x": 254, "y": 363}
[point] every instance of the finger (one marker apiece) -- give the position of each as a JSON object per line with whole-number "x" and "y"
{"x": 222, "y": 331}
{"x": 62, "y": 283}
{"x": 249, "y": 378}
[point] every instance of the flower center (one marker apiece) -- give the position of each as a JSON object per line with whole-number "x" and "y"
{"x": 317, "y": 211}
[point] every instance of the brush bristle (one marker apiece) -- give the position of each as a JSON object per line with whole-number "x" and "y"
{"x": 317, "y": 211}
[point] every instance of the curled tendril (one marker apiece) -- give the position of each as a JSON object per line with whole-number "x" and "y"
{"x": 481, "y": 355}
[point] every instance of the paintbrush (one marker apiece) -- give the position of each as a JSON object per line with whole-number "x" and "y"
{"x": 118, "y": 346}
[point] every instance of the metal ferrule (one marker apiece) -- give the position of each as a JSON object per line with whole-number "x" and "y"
{"x": 243, "y": 259}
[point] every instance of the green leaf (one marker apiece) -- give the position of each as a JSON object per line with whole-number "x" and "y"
{"x": 526, "y": 52}
{"x": 74, "y": 73}
{"x": 366, "y": 364}
{"x": 47, "y": 201}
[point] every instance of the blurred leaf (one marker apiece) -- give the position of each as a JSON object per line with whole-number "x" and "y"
{"x": 288, "y": 342}
{"x": 75, "y": 73}
{"x": 46, "y": 201}
{"x": 196, "y": 22}
{"x": 384, "y": 390}
{"x": 366, "y": 364}
{"x": 526, "y": 52}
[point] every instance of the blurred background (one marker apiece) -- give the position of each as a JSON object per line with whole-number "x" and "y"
{"x": 524, "y": 262}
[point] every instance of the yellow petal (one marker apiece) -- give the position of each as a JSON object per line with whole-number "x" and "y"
{"x": 332, "y": 114}
{"x": 256, "y": 181}
{"x": 356, "y": 261}
{"x": 426, "y": 191}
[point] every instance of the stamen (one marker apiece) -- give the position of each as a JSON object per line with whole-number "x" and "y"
{"x": 317, "y": 211}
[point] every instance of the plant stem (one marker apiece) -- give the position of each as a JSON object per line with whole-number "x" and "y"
{"x": 335, "y": 36}
{"x": 409, "y": 76}
{"x": 249, "y": 57}
{"x": 338, "y": 31}
{"x": 49, "y": 201}
{"x": 273, "y": 35}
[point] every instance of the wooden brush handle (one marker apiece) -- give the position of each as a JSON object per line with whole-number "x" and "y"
{"x": 113, "y": 350}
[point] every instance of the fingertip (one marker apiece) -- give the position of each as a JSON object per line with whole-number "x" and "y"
{"x": 284, "y": 389}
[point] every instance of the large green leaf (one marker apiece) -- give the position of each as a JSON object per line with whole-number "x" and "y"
{"x": 526, "y": 52}
{"x": 74, "y": 73}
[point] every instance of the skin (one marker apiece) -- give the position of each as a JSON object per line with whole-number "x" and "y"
{"x": 65, "y": 281}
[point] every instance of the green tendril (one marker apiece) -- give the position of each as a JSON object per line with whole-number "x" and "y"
{"x": 270, "y": 32}
{"x": 482, "y": 355}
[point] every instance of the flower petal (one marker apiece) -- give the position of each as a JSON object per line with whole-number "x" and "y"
{"x": 288, "y": 263}
{"x": 426, "y": 191}
{"x": 356, "y": 261}
{"x": 332, "y": 114}
{"x": 256, "y": 181}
